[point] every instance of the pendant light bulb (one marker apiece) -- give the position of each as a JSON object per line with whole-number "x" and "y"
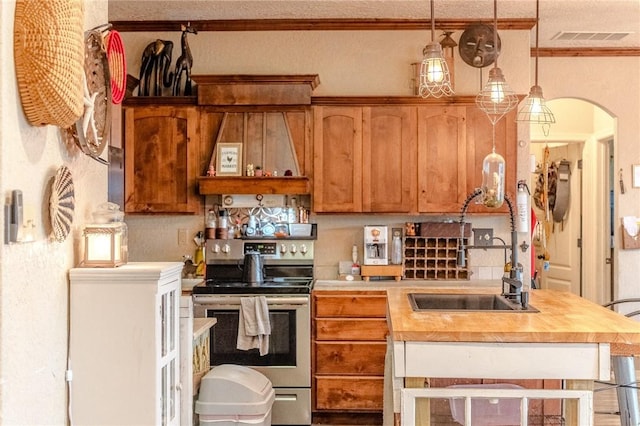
{"x": 496, "y": 98}
{"x": 433, "y": 67}
{"x": 497, "y": 92}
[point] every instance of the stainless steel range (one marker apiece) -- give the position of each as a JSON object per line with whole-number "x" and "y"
{"x": 287, "y": 284}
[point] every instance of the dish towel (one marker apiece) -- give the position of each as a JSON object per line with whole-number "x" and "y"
{"x": 254, "y": 327}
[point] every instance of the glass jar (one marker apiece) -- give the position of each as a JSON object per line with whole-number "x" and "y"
{"x": 210, "y": 225}
{"x": 222, "y": 231}
{"x": 493, "y": 171}
{"x": 396, "y": 249}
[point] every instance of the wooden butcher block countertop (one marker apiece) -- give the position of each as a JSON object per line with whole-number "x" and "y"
{"x": 562, "y": 317}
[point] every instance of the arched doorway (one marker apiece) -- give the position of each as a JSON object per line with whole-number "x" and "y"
{"x": 579, "y": 248}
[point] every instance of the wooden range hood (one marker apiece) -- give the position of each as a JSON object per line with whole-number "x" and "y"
{"x": 270, "y": 116}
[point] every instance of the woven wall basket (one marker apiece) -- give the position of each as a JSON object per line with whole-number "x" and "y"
{"x": 49, "y": 57}
{"x": 117, "y": 66}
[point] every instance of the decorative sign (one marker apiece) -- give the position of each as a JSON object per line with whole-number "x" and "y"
{"x": 229, "y": 159}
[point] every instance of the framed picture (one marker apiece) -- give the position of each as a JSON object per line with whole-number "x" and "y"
{"x": 635, "y": 175}
{"x": 229, "y": 159}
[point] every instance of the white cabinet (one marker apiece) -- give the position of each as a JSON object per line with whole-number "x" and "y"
{"x": 124, "y": 344}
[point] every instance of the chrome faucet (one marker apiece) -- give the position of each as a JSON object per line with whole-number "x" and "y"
{"x": 511, "y": 285}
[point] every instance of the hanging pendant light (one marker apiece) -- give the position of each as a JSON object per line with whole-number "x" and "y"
{"x": 435, "y": 79}
{"x": 535, "y": 109}
{"x": 496, "y": 98}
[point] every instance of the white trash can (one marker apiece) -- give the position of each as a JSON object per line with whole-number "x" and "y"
{"x": 234, "y": 395}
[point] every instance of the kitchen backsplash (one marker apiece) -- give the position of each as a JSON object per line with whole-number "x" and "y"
{"x": 157, "y": 238}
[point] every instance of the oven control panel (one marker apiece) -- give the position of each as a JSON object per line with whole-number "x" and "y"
{"x": 284, "y": 250}
{"x": 264, "y": 248}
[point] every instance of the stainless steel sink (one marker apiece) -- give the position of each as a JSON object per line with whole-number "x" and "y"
{"x": 423, "y": 302}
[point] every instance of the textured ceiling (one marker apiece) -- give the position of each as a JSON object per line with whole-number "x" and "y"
{"x": 556, "y": 16}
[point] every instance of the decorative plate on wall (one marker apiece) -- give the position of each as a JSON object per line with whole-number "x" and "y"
{"x": 62, "y": 204}
{"x": 91, "y": 131}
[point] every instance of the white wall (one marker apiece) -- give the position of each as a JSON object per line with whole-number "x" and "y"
{"x": 613, "y": 83}
{"x": 33, "y": 276}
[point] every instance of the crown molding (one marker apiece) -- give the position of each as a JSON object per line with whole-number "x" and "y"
{"x": 585, "y": 51}
{"x": 319, "y": 24}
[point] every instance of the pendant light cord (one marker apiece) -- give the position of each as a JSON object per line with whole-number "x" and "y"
{"x": 495, "y": 31}
{"x": 537, "y": 25}
{"x": 433, "y": 23}
{"x": 495, "y": 66}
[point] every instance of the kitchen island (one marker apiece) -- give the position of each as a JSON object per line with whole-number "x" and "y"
{"x": 567, "y": 338}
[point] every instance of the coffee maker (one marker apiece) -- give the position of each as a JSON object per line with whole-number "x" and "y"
{"x": 375, "y": 245}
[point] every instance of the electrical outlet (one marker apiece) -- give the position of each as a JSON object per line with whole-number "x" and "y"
{"x": 482, "y": 237}
{"x": 182, "y": 237}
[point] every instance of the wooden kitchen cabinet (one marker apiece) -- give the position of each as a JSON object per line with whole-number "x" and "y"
{"x": 349, "y": 346}
{"x": 389, "y": 159}
{"x": 337, "y": 161}
{"x": 442, "y": 158}
{"x": 364, "y": 159}
{"x": 395, "y": 155}
{"x": 161, "y": 159}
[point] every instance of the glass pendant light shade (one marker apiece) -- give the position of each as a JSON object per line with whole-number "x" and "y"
{"x": 496, "y": 98}
{"x": 435, "y": 79}
{"x": 493, "y": 172}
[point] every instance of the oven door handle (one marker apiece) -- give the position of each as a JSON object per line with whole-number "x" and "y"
{"x": 285, "y": 301}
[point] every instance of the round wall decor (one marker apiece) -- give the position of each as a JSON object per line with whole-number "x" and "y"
{"x": 477, "y": 45}
{"x": 62, "y": 204}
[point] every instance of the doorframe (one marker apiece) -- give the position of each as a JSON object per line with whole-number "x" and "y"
{"x": 595, "y": 200}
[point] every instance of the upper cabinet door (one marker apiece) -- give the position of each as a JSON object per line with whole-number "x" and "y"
{"x": 480, "y": 144}
{"x": 442, "y": 158}
{"x": 161, "y": 159}
{"x": 337, "y": 180}
{"x": 389, "y": 159}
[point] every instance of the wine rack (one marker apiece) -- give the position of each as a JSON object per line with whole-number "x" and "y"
{"x": 433, "y": 254}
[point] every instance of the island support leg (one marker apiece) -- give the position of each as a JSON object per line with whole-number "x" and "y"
{"x": 422, "y": 405}
{"x": 571, "y": 405}
{"x": 624, "y": 371}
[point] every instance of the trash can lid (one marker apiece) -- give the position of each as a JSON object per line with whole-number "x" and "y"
{"x": 234, "y": 389}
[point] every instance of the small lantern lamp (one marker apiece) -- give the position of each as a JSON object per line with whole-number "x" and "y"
{"x": 105, "y": 242}
{"x": 448, "y": 47}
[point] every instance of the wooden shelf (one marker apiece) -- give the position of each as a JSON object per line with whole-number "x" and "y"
{"x": 253, "y": 185}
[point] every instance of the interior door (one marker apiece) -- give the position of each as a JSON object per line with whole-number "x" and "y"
{"x": 563, "y": 271}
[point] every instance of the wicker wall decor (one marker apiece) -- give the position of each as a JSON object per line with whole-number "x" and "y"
{"x": 117, "y": 66}
{"x": 49, "y": 58}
